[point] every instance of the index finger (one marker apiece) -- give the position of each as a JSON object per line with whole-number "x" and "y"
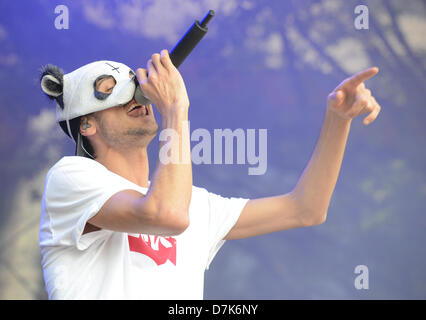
{"x": 142, "y": 75}
{"x": 361, "y": 76}
{"x": 165, "y": 59}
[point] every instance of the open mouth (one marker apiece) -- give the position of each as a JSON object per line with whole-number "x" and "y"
{"x": 136, "y": 110}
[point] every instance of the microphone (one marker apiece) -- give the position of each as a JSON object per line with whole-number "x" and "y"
{"x": 181, "y": 50}
{"x": 190, "y": 39}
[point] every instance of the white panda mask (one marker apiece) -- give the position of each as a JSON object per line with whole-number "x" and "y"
{"x": 75, "y": 92}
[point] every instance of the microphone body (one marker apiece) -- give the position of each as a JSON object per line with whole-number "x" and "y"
{"x": 181, "y": 50}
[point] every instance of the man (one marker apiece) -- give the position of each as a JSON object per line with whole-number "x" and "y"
{"x": 108, "y": 232}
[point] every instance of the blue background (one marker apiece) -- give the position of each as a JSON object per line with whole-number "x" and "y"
{"x": 263, "y": 65}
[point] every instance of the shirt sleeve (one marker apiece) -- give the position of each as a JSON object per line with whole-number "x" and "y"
{"x": 223, "y": 214}
{"x": 74, "y": 193}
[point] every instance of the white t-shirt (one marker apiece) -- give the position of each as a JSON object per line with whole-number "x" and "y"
{"x": 106, "y": 264}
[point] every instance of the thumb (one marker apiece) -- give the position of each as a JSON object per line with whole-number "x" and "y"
{"x": 336, "y": 98}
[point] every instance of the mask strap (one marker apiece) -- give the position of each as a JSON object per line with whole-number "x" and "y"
{"x": 69, "y": 129}
{"x": 80, "y": 143}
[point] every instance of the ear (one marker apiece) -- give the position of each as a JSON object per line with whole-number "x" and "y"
{"x": 87, "y": 127}
{"x": 52, "y": 83}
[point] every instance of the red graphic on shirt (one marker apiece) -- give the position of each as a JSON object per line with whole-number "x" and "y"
{"x": 159, "y": 249}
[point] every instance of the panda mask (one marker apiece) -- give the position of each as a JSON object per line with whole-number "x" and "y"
{"x": 76, "y": 94}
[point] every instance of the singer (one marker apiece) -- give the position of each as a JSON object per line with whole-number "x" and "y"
{"x": 108, "y": 231}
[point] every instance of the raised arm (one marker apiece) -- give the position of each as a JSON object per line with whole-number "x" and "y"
{"x": 307, "y": 204}
{"x": 171, "y": 184}
{"x": 164, "y": 209}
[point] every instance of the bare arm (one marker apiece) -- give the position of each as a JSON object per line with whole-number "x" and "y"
{"x": 171, "y": 184}
{"x": 307, "y": 203}
{"x": 164, "y": 209}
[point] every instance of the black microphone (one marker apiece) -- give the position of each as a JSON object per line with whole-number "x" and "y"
{"x": 190, "y": 39}
{"x": 182, "y": 49}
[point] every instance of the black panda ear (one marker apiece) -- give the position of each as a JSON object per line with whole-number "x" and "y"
{"x": 52, "y": 82}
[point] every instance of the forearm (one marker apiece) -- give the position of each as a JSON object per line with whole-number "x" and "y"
{"x": 307, "y": 203}
{"x": 315, "y": 187}
{"x": 171, "y": 185}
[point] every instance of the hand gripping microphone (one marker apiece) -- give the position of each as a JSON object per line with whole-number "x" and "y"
{"x": 181, "y": 50}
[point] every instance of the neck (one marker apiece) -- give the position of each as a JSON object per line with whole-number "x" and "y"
{"x": 132, "y": 165}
